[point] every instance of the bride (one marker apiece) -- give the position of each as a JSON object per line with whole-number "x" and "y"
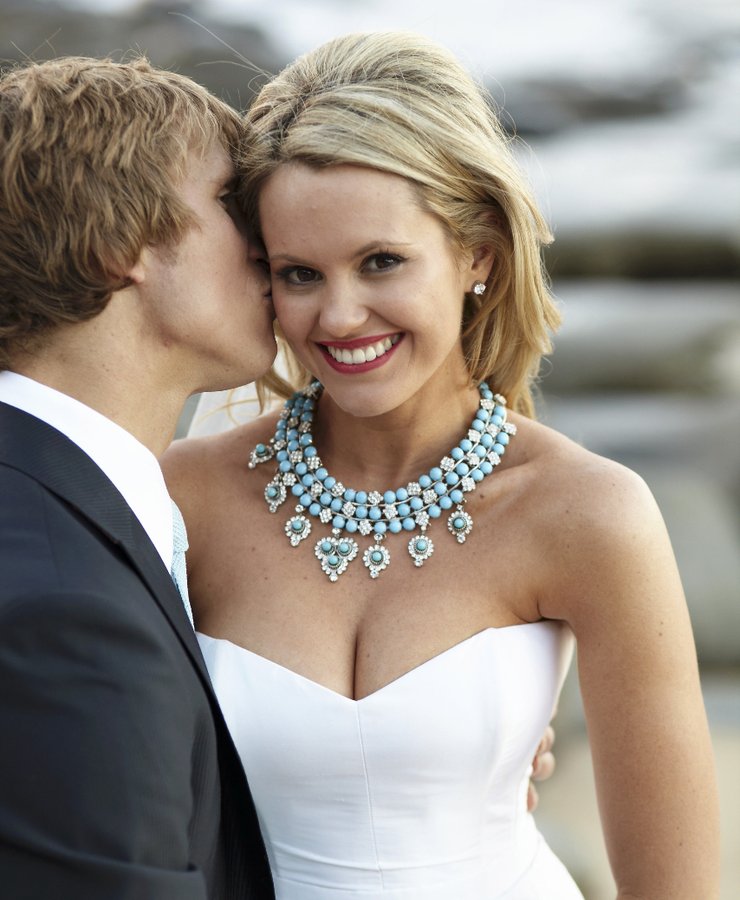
{"x": 388, "y": 573}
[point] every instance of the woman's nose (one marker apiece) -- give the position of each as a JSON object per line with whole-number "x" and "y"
{"x": 342, "y": 313}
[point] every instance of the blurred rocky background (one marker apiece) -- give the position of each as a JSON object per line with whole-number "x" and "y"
{"x": 626, "y": 115}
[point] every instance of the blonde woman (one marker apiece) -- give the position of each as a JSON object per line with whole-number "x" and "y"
{"x": 389, "y": 573}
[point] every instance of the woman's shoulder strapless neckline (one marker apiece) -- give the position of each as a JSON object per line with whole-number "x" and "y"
{"x": 417, "y": 790}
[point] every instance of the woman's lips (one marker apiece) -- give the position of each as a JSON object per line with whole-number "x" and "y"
{"x": 361, "y": 354}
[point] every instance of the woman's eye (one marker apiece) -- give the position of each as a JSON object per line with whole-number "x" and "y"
{"x": 297, "y": 275}
{"x": 379, "y": 262}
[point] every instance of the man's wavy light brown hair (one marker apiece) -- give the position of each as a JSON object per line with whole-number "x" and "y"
{"x": 399, "y": 103}
{"x": 91, "y": 155}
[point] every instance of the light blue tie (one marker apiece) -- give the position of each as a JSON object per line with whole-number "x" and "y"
{"x": 179, "y": 546}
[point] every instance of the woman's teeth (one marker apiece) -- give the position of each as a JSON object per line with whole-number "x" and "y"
{"x": 363, "y": 354}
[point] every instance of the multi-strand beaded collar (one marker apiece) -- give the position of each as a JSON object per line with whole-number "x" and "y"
{"x": 411, "y": 509}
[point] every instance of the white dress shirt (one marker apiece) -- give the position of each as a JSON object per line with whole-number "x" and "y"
{"x": 131, "y": 467}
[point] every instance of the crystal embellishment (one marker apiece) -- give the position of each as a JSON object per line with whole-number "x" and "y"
{"x": 375, "y": 514}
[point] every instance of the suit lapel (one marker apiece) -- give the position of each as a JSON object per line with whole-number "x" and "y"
{"x": 45, "y": 454}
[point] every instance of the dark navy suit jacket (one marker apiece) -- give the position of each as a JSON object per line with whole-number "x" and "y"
{"x": 118, "y": 777}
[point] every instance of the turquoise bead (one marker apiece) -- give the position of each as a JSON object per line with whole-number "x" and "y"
{"x": 293, "y": 446}
{"x": 486, "y": 467}
{"x": 478, "y": 425}
{"x": 458, "y": 523}
{"x": 296, "y": 490}
{"x": 333, "y": 562}
{"x": 344, "y": 548}
{"x": 452, "y": 478}
{"x": 499, "y": 411}
{"x": 361, "y": 497}
{"x": 440, "y": 489}
{"x": 281, "y": 455}
{"x": 456, "y": 496}
{"x": 499, "y": 448}
{"x": 466, "y": 445}
{"x": 435, "y": 474}
{"x": 307, "y": 480}
{"x": 482, "y": 414}
{"x": 477, "y": 475}
{"x": 425, "y": 481}
{"x": 350, "y": 495}
{"x": 408, "y": 524}
{"x": 338, "y": 522}
{"x": 434, "y": 511}
{"x": 480, "y": 451}
{"x": 329, "y": 482}
{"x": 305, "y": 439}
{"x": 301, "y": 468}
{"x": 462, "y": 468}
{"x": 375, "y": 512}
{"x": 351, "y": 526}
{"x": 260, "y": 449}
{"x": 285, "y": 465}
{"x": 326, "y": 546}
{"x": 497, "y": 421}
{"x": 297, "y": 525}
{"x": 401, "y": 495}
{"x": 325, "y": 498}
{"x": 486, "y": 394}
{"x": 361, "y": 512}
{"x": 336, "y": 505}
{"x": 457, "y": 453}
{"x": 380, "y": 527}
{"x": 306, "y": 500}
{"x": 395, "y": 525}
{"x": 416, "y": 503}
{"x": 376, "y": 557}
{"x": 314, "y": 509}
{"x": 321, "y": 473}
{"x": 389, "y": 497}
{"x": 404, "y": 509}
{"x": 420, "y": 546}
{"x": 445, "y": 503}
{"x": 310, "y": 451}
{"x": 486, "y": 440}
{"x": 503, "y": 438}
{"x": 272, "y": 492}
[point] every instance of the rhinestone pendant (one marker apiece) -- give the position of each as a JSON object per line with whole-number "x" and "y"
{"x": 376, "y": 558}
{"x": 275, "y": 494}
{"x": 420, "y": 548}
{"x": 335, "y": 553}
{"x": 460, "y": 524}
{"x": 297, "y": 528}
{"x": 262, "y": 453}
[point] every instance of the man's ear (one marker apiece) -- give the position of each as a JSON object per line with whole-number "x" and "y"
{"x": 136, "y": 274}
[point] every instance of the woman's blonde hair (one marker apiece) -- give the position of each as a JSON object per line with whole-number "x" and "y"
{"x": 400, "y": 103}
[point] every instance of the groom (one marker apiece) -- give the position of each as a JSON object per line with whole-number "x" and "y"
{"x": 126, "y": 285}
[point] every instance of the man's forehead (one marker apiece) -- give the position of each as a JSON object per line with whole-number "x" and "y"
{"x": 213, "y": 164}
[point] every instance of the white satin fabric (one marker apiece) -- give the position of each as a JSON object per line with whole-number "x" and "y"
{"x": 416, "y": 791}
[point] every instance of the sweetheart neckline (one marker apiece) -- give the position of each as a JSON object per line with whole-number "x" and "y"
{"x": 389, "y": 685}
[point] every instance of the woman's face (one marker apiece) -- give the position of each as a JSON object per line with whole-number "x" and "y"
{"x": 367, "y": 286}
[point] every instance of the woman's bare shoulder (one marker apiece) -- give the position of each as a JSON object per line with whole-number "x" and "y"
{"x": 597, "y": 523}
{"x": 196, "y": 466}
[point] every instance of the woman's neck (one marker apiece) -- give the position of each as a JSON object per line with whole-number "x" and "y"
{"x": 387, "y": 451}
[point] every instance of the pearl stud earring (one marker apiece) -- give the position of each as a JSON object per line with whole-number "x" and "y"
{"x": 479, "y": 288}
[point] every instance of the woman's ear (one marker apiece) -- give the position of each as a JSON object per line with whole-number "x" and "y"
{"x": 481, "y": 264}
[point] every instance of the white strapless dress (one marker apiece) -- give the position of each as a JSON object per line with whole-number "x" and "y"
{"x": 416, "y": 791}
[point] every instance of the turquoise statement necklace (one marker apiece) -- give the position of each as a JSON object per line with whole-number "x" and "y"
{"x": 301, "y": 474}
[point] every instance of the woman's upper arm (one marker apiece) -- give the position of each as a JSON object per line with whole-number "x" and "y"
{"x": 620, "y": 590}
